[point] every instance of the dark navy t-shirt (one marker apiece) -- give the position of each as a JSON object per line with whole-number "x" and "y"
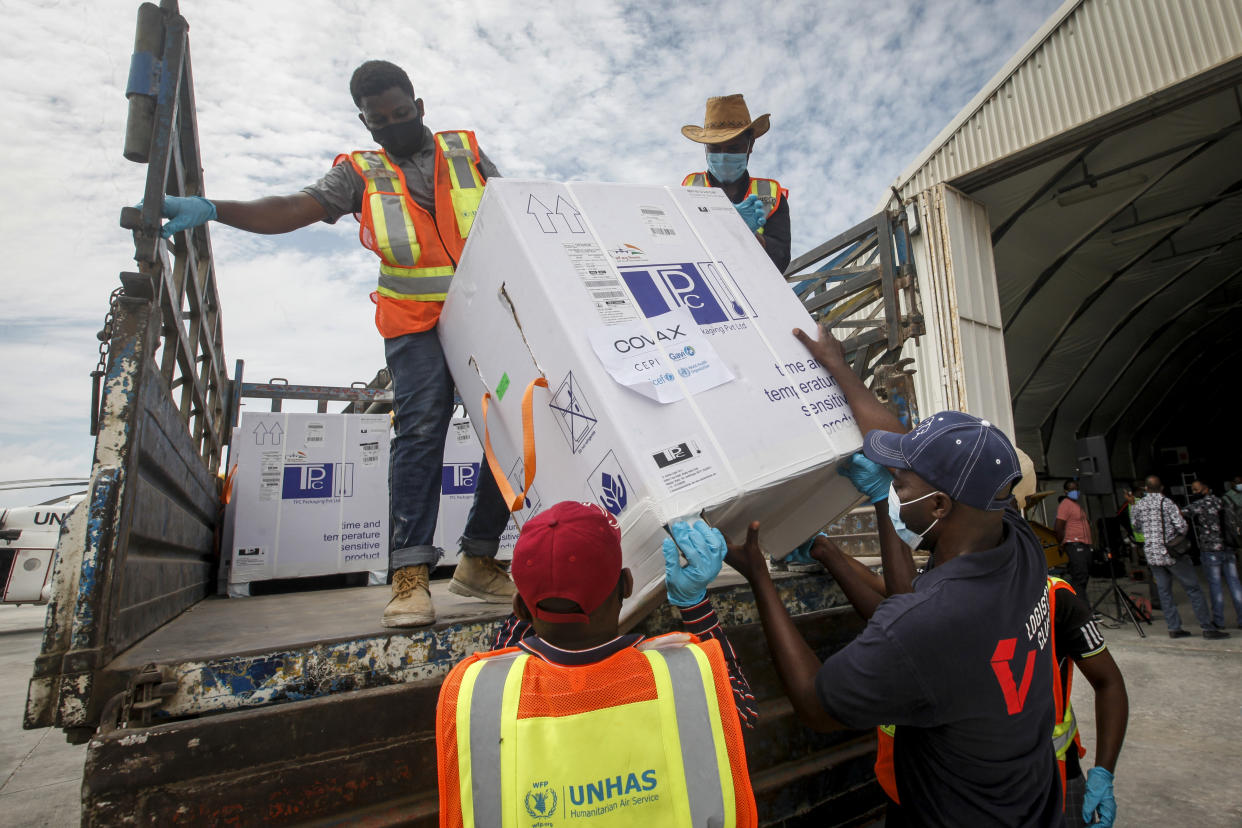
{"x": 963, "y": 666}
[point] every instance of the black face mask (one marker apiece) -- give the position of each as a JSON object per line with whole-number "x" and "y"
{"x": 403, "y": 138}
{"x": 1197, "y": 495}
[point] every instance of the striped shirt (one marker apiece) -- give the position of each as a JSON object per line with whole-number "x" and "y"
{"x": 700, "y": 619}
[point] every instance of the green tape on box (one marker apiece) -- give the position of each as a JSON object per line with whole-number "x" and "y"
{"x": 502, "y": 386}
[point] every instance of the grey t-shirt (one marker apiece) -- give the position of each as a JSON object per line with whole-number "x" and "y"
{"x": 340, "y": 191}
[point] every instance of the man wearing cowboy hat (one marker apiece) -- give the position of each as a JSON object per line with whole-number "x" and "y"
{"x": 729, "y": 134}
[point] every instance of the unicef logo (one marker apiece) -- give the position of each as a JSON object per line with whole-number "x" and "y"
{"x": 688, "y": 351}
{"x": 668, "y": 377}
{"x": 541, "y": 801}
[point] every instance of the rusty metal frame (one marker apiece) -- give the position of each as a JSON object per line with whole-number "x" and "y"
{"x": 865, "y": 289}
{"x": 142, "y": 549}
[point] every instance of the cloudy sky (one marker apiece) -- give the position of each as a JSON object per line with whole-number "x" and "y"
{"x": 589, "y": 90}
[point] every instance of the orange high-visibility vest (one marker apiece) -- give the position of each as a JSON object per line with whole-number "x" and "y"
{"x": 1064, "y": 732}
{"x": 769, "y": 190}
{"x": 648, "y": 736}
{"x": 418, "y": 253}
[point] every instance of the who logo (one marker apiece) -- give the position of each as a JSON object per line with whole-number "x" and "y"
{"x": 706, "y": 289}
{"x": 313, "y": 481}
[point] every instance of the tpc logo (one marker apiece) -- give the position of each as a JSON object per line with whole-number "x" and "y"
{"x": 459, "y": 478}
{"x": 307, "y": 481}
{"x": 705, "y": 288}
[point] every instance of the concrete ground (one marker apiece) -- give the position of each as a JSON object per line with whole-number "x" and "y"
{"x": 41, "y": 773}
{"x": 1180, "y": 765}
{"x": 1182, "y": 761}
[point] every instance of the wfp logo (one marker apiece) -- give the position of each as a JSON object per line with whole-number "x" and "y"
{"x": 541, "y": 800}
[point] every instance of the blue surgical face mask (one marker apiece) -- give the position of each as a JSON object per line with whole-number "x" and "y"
{"x": 1073, "y": 495}
{"x": 908, "y": 536}
{"x": 727, "y": 167}
{"x": 1237, "y": 487}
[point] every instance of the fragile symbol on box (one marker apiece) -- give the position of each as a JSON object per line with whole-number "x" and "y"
{"x": 573, "y": 414}
{"x": 610, "y": 485}
{"x": 705, "y": 288}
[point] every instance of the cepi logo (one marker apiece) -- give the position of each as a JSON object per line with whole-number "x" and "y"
{"x": 541, "y": 800}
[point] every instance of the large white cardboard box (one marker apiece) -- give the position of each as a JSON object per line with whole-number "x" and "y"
{"x": 674, "y": 384}
{"x": 310, "y": 495}
{"x": 460, "y": 479}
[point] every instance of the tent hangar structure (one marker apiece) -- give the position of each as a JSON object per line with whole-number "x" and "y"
{"x": 1107, "y": 158}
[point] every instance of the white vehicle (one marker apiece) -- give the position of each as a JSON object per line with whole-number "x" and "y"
{"x": 28, "y": 537}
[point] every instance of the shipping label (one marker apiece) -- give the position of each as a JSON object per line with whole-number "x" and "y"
{"x": 270, "y": 464}
{"x": 612, "y": 303}
{"x": 682, "y": 465}
{"x": 660, "y": 358}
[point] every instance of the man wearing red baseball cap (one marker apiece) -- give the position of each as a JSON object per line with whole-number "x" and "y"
{"x": 959, "y": 658}
{"x": 519, "y": 729}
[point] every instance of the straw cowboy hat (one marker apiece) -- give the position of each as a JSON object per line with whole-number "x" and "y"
{"x": 726, "y": 118}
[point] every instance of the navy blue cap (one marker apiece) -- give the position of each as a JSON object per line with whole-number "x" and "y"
{"x": 969, "y": 459}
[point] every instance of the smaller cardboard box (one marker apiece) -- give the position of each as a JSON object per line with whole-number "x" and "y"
{"x": 462, "y": 455}
{"x": 310, "y": 495}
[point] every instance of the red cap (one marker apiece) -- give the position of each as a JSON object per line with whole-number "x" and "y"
{"x": 570, "y": 551}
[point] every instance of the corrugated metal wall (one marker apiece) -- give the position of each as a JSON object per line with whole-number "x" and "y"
{"x": 1102, "y": 56}
{"x": 960, "y": 362}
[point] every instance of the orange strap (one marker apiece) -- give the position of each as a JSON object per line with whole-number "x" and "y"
{"x": 227, "y": 495}
{"x": 515, "y": 500}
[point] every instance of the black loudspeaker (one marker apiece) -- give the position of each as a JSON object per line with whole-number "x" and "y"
{"x": 1094, "y": 477}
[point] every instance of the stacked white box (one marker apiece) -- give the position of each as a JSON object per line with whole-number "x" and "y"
{"x": 595, "y": 285}
{"x": 460, "y": 479}
{"x": 310, "y": 495}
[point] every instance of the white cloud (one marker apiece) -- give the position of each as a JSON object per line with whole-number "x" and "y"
{"x": 592, "y": 90}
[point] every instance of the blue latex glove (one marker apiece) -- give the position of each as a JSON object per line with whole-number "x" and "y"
{"x": 705, "y": 550}
{"x": 753, "y": 212}
{"x": 185, "y": 213}
{"x": 1099, "y": 801}
{"x": 870, "y": 478}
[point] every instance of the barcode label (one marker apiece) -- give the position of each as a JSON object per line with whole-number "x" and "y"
{"x": 608, "y": 294}
{"x": 270, "y": 466}
{"x": 663, "y": 231}
{"x": 314, "y": 432}
{"x": 651, "y": 211}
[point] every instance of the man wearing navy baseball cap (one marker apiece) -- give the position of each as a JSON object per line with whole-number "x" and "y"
{"x": 532, "y": 718}
{"x": 958, "y": 658}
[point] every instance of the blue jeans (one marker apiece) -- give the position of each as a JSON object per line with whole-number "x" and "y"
{"x": 423, "y": 402}
{"x": 1216, "y": 564}
{"x": 1184, "y": 571}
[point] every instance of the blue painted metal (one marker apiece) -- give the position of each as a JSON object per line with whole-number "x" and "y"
{"x": 145, "y": 74}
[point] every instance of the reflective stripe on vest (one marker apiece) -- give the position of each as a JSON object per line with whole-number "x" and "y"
{"x": 1063, "y": 734}
{"x": 393, "y": 223}
{"x": 686, "y": 786}
{"x": 768, "y": 191}
{"x": 465, "y": 182}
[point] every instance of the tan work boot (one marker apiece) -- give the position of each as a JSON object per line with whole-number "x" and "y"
{"x": 483, "y": 578}
{"x": 410, "y": 605}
